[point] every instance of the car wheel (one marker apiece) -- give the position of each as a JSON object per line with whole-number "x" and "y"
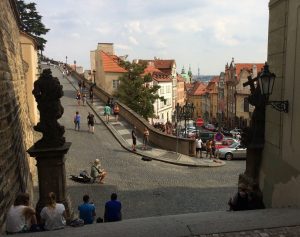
{"x": 228, "y": 156}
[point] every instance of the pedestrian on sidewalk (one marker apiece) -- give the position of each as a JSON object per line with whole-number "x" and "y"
{"x": 83, "y": 99}
{"x": 133, "y": 135}
{"x": 97, "y": 172}
{"x": 208, "y": 148}
{"x": 198, "y": 146}
{"x": 87, "y": 210}
{"x": 145, "y": 138}
{"x": 91, "y": 95}
{"x": 77, "y": 120}
{"x": 78, "y": 97}
{"x": 213, "y": 148}
{"x": 116, "y": 111}
{"x": 113, "y": 209}
{"x": 91, "y": 122}
{"x": 107, "y": 112}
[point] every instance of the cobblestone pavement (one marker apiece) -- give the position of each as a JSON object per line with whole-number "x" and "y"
{"x": 145, "y": 188}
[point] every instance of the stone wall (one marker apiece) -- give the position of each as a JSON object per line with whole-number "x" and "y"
{"x": 15, "y": 128}
{"x": 280, "y": 170}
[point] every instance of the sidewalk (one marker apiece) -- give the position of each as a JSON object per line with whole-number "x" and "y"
{"x": 122, "y": 132}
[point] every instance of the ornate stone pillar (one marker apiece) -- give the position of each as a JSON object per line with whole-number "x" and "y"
{"x": 50, "y": 150}
{"x": 51, "y": 175}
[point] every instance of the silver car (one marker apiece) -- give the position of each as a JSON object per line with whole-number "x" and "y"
{"x": 235, "y": 150}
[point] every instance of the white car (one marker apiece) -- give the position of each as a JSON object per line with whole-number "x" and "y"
{"x": 235, "y": 132}
{"x": 235, "y": 150}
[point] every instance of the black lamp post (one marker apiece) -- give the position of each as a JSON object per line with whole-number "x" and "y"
{"x": 266, "y": 83}
{"x": 184, "y": 112}
{"x": 66, "y": 60}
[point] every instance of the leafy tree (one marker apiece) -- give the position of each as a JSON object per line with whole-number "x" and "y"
{"x": 134, "y": 92}
{"x": 32, "y": 22}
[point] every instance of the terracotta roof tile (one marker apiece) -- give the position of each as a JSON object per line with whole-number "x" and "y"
{"x": 156, "y": 74}
{"x": 110, "y": 63}
{"x": 248, "y": 66}
{"x": 180, "y": 78}
{"x": 198, "y": 88}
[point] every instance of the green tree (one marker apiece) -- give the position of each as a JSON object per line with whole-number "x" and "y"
{"x": 32, "y": 22}
{"x": 134, "y": 92}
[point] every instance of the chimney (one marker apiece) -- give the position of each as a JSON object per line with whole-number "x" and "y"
{"x": 106, "y": 48}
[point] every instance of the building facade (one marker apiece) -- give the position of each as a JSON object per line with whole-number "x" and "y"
{"x": 280, "y": 169}
{"x": 107, "y": 70}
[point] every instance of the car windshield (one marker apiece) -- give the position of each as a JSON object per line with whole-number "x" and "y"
{"x": 234, "y": 145}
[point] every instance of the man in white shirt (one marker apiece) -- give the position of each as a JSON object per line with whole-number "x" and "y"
{"x": 198, "y": 146}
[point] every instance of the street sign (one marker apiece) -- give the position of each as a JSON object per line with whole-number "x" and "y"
{"x": 219, "y": 137}
{"x": 199, "y": 122}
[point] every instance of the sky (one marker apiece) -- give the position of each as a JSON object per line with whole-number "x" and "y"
{"x": 204, "y": 34}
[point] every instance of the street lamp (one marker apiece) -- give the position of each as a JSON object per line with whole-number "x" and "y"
{"x": 66, "y": 60}
{"x": 184, "y": 112}
{"x": 266, "y": 82}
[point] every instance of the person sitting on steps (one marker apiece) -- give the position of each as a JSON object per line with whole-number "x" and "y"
{"x": 97, "y": 172}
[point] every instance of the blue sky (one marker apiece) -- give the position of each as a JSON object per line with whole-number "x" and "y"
{"x": 204, "y": 33}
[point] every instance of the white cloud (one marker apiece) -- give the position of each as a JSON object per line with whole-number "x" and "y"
{"x": 223, "y": 33}
{"x": 122, "y": 46}
{"x": 205, "y": 33}
{"x": 133, "y": 40}
{"x": 133, "y": 27}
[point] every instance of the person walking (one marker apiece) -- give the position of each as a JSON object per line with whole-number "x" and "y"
{"x": 83, "y": 99}
{"x": 77, "y": 120}
{"x": 97, "y": 171}
{"x": 53, "y": 215}
{"x": 198, "y": 146}
{"x": 213, "y": 148}
{"x": 145, "y": 138}
{"x": 208, "y": 148}
{"x": 78, "y": 97}
{"x": 107, "y": 112}
{"x": 113, "y": 209}
{"x": 87, "y": 210}
{"x": 91, "y": 122}
{"x": 133, "y": 135}
{"x": 116, "y": 111}
{"x": 91, "y": 95}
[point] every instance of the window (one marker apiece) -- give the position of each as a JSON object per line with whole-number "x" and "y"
{"x": 162, "y": 91}
{"x": 116, "y": 84}
{"x": 168, "y": 89}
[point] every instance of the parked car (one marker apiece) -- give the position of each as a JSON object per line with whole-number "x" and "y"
{"x": 235, "y": 150}
{"x": 210, "y": 127}
{"x": 226, "y": 142}
{"x": 235, "y": 132}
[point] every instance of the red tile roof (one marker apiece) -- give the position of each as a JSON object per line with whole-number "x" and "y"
{"x": 110, "y": 63}
{"x": 156, "y": 74}
{"x": 164, "y": 65}
{"x": 199, "y": 88}
{"x": 248, "y": 66}
{"x": 180, "y": 78}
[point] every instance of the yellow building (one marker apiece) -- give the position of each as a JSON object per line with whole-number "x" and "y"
{"x": 194, "y": 95}
{"x": 181, "y": 96}
{"x": 30, "y": 57}
{"x": 107, "y": 69}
